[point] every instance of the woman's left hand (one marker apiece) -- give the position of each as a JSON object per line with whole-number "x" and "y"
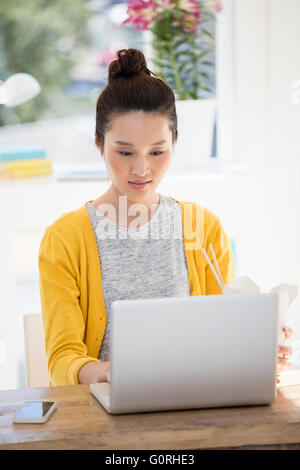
{"x": 284, "y": 352}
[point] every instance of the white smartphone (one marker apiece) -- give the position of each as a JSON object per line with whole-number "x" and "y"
{"x": 34, "y": 412}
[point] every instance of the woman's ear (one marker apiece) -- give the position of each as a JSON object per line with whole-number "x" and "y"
{"x": 98, "y": 144}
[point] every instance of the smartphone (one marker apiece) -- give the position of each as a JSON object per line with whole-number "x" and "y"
{"x": 34, "y": 412}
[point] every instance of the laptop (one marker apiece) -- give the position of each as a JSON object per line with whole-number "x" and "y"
{"x": 181, "y": 353}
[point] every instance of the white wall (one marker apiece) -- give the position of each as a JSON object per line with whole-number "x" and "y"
{"x": 283, "y": 140}
{"x": 283, "y": 156}
{"x": 260, "y": 126}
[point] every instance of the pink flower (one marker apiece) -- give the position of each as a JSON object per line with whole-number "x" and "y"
{"x": 191, "y": 19}
{"x": 190, "y": 5}
{"x": 161, "y": 5}
{"x": 213, "y": 5}
{"x": 141, "y": 13}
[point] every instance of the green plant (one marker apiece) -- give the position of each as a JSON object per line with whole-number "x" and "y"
{"x": 181, "y": 41}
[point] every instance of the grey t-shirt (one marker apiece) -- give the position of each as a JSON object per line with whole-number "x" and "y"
{"x": 143, "y": 262}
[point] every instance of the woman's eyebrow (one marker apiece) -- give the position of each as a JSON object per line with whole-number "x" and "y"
{"x": 127, "y": 143}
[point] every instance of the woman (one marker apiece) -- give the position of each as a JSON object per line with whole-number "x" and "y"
{"x": 130, "y": 242}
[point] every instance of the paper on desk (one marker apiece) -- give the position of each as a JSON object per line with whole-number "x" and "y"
{"x": 286, "y": 294}
{"x": 80, "y": 171}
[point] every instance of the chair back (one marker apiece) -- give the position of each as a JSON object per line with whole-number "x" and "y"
{"x": 36, "y": 358}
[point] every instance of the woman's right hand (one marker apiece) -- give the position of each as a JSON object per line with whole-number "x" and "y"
{"x": 106, "y": 370}
{"x": 93, "y": 372}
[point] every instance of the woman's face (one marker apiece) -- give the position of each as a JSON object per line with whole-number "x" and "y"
{"x": 138, "y": 148}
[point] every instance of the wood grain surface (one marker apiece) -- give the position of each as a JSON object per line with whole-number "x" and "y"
{"x": 80, "y": 422}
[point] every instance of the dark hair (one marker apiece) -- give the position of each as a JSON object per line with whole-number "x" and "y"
{"x": 131, "y": 87}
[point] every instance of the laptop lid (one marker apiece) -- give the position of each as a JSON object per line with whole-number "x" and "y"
{"x": 193, "y": 352}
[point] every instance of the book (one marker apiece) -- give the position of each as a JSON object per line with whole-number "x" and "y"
{"x": 20, "y": 169}
{"x": 31, "y": 172}
{"x": 20, "y": 152}
{"x": 26, "y": 164}
{"x": 24, "y": 173}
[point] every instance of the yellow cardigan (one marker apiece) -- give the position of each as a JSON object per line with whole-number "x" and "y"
{"x": 72, "y": 301}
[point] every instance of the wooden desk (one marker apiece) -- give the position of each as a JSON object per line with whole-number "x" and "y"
{"x": 80, "y": 422}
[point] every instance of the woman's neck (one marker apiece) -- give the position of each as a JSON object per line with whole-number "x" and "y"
{"x": 120, "y": 210}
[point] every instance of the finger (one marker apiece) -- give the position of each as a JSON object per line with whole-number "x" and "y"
{"x": 287, "y": 331}
{"x": 284, "y": 350}
{"x": 282, "y": 364}
{"x": 280, "y": 368}
{"x": 284, "y": 361}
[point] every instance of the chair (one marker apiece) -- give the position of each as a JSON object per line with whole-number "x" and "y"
{"x": 36, "y": 359}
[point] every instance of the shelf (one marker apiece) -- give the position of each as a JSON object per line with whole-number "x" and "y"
{"x": 95, "y": 172}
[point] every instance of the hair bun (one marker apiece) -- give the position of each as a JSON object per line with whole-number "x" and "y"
{"x": 129, "y": 62}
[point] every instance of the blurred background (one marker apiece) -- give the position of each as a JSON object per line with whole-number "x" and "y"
{"x": 66, "y": 47}
{"x": 251, "y": 178}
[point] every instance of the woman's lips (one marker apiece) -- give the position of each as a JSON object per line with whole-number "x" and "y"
{"x": 139, "y": 185}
